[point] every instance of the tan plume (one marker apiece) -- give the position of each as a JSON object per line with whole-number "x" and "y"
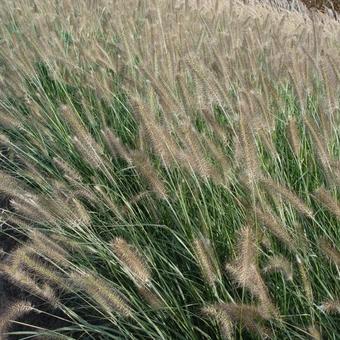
{"x": 13, "y": 312}
{"x": 224, "y": 322}
{"x": 205, "y": 258}
{"x": 330, "y": 251}
{"x": 131, "y": 260}
{"x": 293, "y": 136}
{"x": 101, "y": 292}
{"x": 275, "y": 188}
{"x": 248, "y": 316}
{"x": 246, "y": 272}
{"x": 278, "y": 263}
{"x": 328, "y": 201}
{"x": 267, "y": 219}
{"x": 331, "y": 306}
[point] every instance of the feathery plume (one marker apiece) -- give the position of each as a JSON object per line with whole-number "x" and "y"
{"x": 204, "y": 254}
{"x": 66, "y": 242}
{"x": 267, "y": 141}
{"x": 222, "y": 161}
{"x": 307, "y": 287}
{"x": 301, "y": 238}
{"x": 34, "y": 208}
{"x": 298, "y": 87}
{"x": 13, "y": 312}
{"x": 193, "y": 153}
{"x": 246, "y": 272}
{"x": 27, "y": 260}
{"x": 278, "y": 263}
{"x": 321, "y": 149}
{"x": 108, "y": 200}
{"x": 248, "y": 148}
{"x": 14, "y": 220}
{"x": 69, "y": 173}
{"x": 293, "y": 136}
{"x": 264, "y": 240}
{"x": 162, "y": 141}
{"x": 10, "y": 186}
{"x": 131, "y": 261}
{"x": 80, "y": 211}
{"x": 326, "y": 199}
{"x": 330, "y": 251}
{"x": 22, "y": 279}
{"x": 222, "y": 319}
{"x": 271, "y": 223}
{"x": 151, "y": 298}
{"x": 248, "y": 316}
{"x": 331, "y": 306}
{"x": 8, "y": 122}
{"x": 221, "y": 131}
{"x": 101, "y": 293}
{"x": 116, "y": 147}
{"x": 88, "y": 150}
{"x": 295, "y": 201}
{"x": 17, "y": 254}
{"x": 4, "y": 141}
{"x": 43, "y": 245}
{"x": 73, "y": 120}
{"x": 314, "y": 333}
{"x": 143, "y": 164}
{"x": 85, "y": 194}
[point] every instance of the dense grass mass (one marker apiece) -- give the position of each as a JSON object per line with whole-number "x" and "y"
{"x": 323, "y": 5}
{"x": 169, "y": 170}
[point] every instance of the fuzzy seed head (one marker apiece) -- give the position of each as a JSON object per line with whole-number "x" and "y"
{"x": 279, "y": 263}
{"x": 204, "y": 254}
{"x": 13, "y": 312}
{"x": 101, "y": 292}
{"x": 131, "y": 260}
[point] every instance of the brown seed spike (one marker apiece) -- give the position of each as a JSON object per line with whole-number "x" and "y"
{"x": 330, "y": 251}
{"x": 331, "y": 306}
{"x": 73, "y": 120}
{"x": 100, "y": 291}
{"x": 151, "y": 298}
{"x": 146, "y": 168}
{"x": 307, "y": 287}
{"x": 13, "y": 312}
{"x": 222, "y": 319}
{"x": 69, "y": 173}
{"x": 293, "y": 136}
{"x": 279, "y": 263}
{"x": 8, "y": 121}
{"x": 43, "y": 245}
{"x": 320, "y": 147}
{"x": 246, "y": 272}
{"x": 248, "y": 316}
{"x": 314, "y": 333}
{"x": 276, "y": 188}
{"x": 10, "y": 186}
{"x": 275, "y": 227}
{"x": 326, "y": 199}
{"x": 204, "y": 253}
{"x": 88, "y": 150}
{"x": 248, "y": 148}
{"x": 131, "y": 261}
{"x": 21, "y": 279}
{"x": 116, "y": 147}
